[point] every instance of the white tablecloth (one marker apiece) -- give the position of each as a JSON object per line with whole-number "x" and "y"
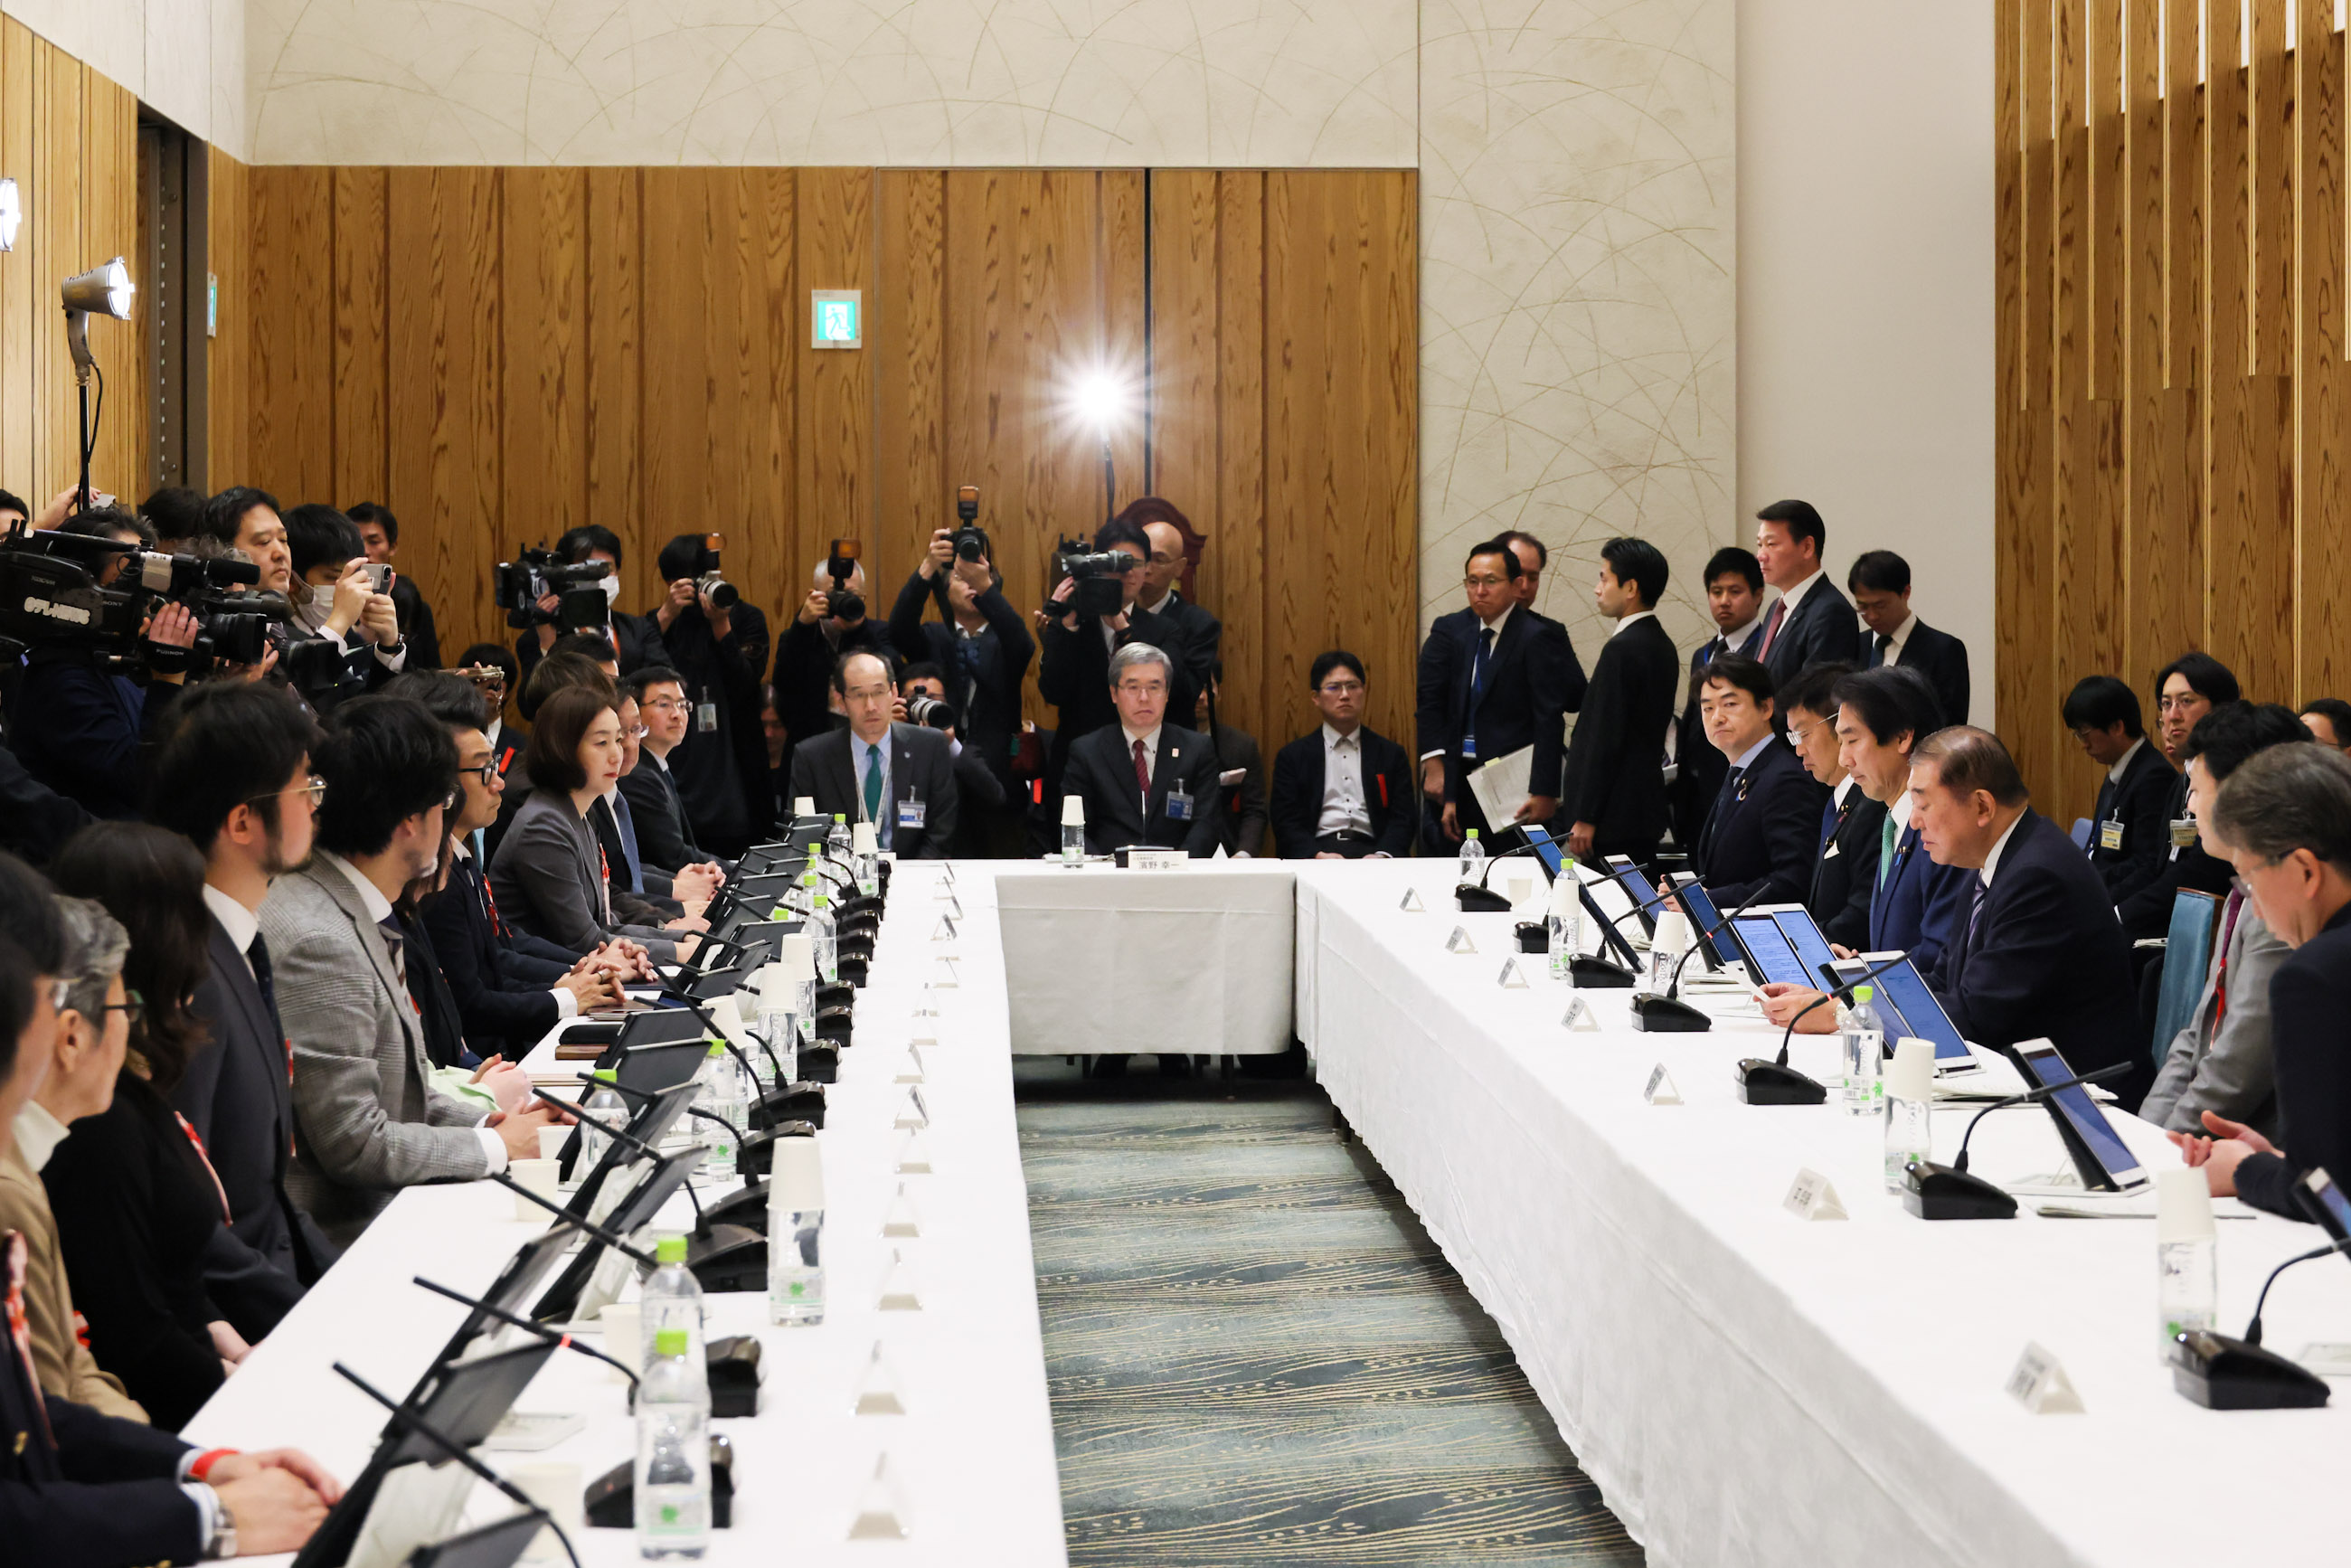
{"x": 1196, "y": 958}
{"x": 973, "y": 1452}
{"x": 1747, "y": 1388}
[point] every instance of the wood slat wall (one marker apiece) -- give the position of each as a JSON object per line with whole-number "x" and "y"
{"x": 501, "y": 354}
{"x": 2171, "y": 375}
{"x": 70, "y": 137}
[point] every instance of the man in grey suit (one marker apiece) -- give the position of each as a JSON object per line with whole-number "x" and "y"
{"x": 899, "y": 776}
{"x": 367, "y": 1120}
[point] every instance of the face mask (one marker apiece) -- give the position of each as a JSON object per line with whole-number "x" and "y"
{"x": 611, "y": 587}
{"x": 322, "y": 597}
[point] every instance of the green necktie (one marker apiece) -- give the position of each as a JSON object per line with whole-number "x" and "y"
{"x": 873, "y": 783}
{"x": 1885, "y": 848}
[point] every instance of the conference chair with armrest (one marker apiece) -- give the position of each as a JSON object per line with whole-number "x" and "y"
{"x": 2187, "y": 956}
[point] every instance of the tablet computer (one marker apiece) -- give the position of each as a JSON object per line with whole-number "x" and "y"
{"x": 1638, "y": 889}
{"x": 2103, "y": 1160}
{"x": 1769, "y": 955}
{"x": 1699, "y": 905}
{"x": 1546, "y": 848}
{"x": 1909, "y": 1007}
{"x": 1804, "y": 934}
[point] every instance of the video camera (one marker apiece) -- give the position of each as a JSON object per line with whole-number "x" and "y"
{"x": 50, "y": 595}
{"x": 844, "y": 604}
{"x": 1098, "y": 574}
{"x": 519, "y": 584}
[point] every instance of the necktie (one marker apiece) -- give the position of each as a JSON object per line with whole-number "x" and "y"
{"x": 1476, "y": 692}
{"x": 628, "y": 827}
{"x": 1717, "y": 649}
{"x": 1884, "y": 647}
{"x": 1975, "y": 912}
{"x": 263, "y": 979}
{"x": 1771, "y": 627}
{"x": 1143, "y": 776}
{"x": 1885, "y": 838}
{"x": 1831, "y": 818}
{"x": 873, "y": 782}
{"x": 395, "y": 939}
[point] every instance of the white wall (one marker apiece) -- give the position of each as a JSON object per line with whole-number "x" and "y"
{"x": 1865, "y": 211}
{"x": 183, "y": 58}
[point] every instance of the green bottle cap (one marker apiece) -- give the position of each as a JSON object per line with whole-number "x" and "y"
{"x": 606, "y": 1075}
{"x": 1863, "y": 993}
{"x": 841, "y": 816}
{"x": 1473, "y": 832}
{"x": 716, "y": 1048}
{"x": 670, "y": 1342}
{"x": 670, "y": 1249}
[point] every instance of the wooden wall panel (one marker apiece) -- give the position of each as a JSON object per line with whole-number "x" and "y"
{"x": 229, "y": 379}
{"x": 2203, "y": 508}
{"x": 291, "y": 312}
{"x": 913, "y": 493}
{"x": 543, "y": 488}
{"x": 360, "y": 332}
{"x": 834, "y": 399}
{"x": 611, "y": 337}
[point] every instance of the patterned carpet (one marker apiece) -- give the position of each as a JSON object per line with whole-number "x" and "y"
{"x": 1257, "y": 1357}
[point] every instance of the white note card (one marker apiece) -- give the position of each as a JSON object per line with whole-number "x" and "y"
{"x": 1511, "y": 978}
{"x": 1661, "y": 1090}
{"x": 2041, "y": 1385}
{"x": 1459, "y": 941}
{"x": 1813, "y": 1196}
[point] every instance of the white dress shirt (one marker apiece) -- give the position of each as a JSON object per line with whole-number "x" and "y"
{"x": 1901, "y": 638}
{"x": 2122, "y": 763}
{"x": 1752, "y": 753}
{"x": 1623, "y": 622}
{"x": 1150, "y": 740}
{"x": 1727, "y": 641}
{"x": 1478, "y": 640}
{"x": 1345, "y": 808}
{"x": 1795, "y": 596}
{"x": 1992, "y": 861}
{"x": 241, "y": 924}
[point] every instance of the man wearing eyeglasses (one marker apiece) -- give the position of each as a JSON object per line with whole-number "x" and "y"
{"x": 1343, "y": 792}
{"x": 898, "y": 777}
{"x": 1143, "y": 780}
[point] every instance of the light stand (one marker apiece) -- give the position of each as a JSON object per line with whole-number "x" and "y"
{"x": 106, "y": 290}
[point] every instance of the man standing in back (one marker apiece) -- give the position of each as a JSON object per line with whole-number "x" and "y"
{"x": 1811, "y": 622}
{"x": 1612, "y": 792}
{"x": 1880, "y": 581}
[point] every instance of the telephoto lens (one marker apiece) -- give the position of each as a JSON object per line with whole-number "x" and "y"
{"x": 722, "y": 594}
{"x": 926, "y": 709}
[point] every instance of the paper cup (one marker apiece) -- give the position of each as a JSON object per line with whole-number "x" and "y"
{"x": 551, "y": 1141}
{"x": 539, "y": 1176}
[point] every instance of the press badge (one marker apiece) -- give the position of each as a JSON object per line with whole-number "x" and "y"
{"x": 1179, "y": 805}
{"x": 2183, "y": 832}
{"x": 705, "y": 717}
{"x": 911, "y": 813}
{"x": 2110, "y": 834}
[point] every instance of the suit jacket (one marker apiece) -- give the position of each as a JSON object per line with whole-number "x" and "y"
{"x": 34, "y": 819}
{"x": 78, "y": 1487}
{"x": 1298, "y": 785}
{"x": 640, "y": 890}
{"x": 2047, "y": 960}
{"x": 804, "y": 662}
{"x": 238, "y": 1094}
{"x": 66, "y": 1366}
{"x": 1200, "y": 635}
{"x": 713, "y": 770}
{"x": 1614, "y": 775}
{"x": 1764, "y": 833}
{"x": 984, "y": 672}
{"x": 1846, "y": 874}
{"x": 1823, "y": 628}
{"x": 2309, "y": 998}
{"x": 2221, "y": 1061}
{"x": 367, "y": 1119}
{"x": 416, "y": 628}
{"x": 82, "y": 730}
{"x": 922, "y": 768}
{"x": 1937, "y": 655}
{"x": 1101, "y": 772}
{"x": 2147, "y": 912}
{"x": 549, "y": 879}
{"x": 1073, "y": 674}
{"x": 665, "y": 834}
{"x": 436, "y": 1005}
{"x": 1698, "y": 767}
{"x": 634, "y": 637}
{"x": 501, "y": 989}
{"x": 2141, "y": 801}
{"x": 1532, "y": 683}
{"x": 1244, "y": 815}
{"x": 1915, "y": 905}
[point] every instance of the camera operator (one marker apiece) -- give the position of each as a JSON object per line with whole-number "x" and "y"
{"x": 831, "y": 621}
{"x": 982, "y": 650}
{"x": 78, "y": 726}
{"x": 634, "y": 637}
{"x": 244, "y": 518}
{"x": 1202, "y": 633}
{"x": 176, "y": 515}
{"x": 380, "y": 537}
{"x": 1073, "y": 671}
{"x": 719, "y": 649}
{"x": 343, "y": 606}
{"x": 982, "y": 798}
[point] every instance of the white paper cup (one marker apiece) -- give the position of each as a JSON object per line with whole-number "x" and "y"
{"x": 623, "y": 1336}
{"x": 539, "y": 1176}
{"x": 1519, "y": 887}
{"x": 551, "y": 1141}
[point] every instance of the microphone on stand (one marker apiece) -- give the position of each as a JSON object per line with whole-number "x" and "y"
{"x": 515, "y": 1320}
{"x": 595, "y": 1232}
{"x": 1949, "y": 1192}
{"x": 1669, "y": 1014}
{"x": 1774, "y": 1083}
{"x": 1474, "y": 898}
{"x": 2224, "y": 1374}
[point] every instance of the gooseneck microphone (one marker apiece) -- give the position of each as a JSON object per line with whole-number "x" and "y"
{"x": 1774, "y": 1083}
{"x": 1669, "y": 1014}
{"x": 2224, "y": 1374}
{"x": 1476, "y": 898}
{"x": 1949, "y": 1192}
{"x": 595, "y": 1232}
{"x": 560, "y": 1340}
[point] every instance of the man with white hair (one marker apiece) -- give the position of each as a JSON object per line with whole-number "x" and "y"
{"x": 1145, "y": 780}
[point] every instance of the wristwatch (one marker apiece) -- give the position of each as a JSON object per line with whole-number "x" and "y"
{"x": 223, "y": 1532}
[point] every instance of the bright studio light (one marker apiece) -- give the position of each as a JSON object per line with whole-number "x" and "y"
{"x": 101, "y": 291}
{"x": 12, "y": 215}
{"x": 1102, "y": 400}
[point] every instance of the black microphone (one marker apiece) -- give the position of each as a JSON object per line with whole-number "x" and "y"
{"x": 499, "y": 1315}
{"x": 1669, "y": 1014}
{"x": 1774, "y": 1083}
{"x": 593, "y": 1232}
{"x": 1949, "y": 1192}
{"x": 408, "y": 1421}
{"x": 2224, "y": 1374}
{"x": 1474, "y": 898}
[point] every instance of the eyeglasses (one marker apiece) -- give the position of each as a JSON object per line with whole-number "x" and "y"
{"x": 1484, "y": 581}
{"x": 133, "y": 1007}
{"x": 1797, "y": 737}
{"x": 487, "y": 773}
{"x": 2180, "y": 704}
{"x": 669, "y": 705}
{"x": 639, "y": 733}
{"x": 1342, "y": 689}
{"x": 316, "y": 790}
{"x": 1143, "y": 689}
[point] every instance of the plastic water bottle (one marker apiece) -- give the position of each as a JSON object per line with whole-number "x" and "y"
{"x": 672, "y": 1297}
{"x": 721, "y": 1093}
{"x": 1864, "y": 1038}
{"x": 837, "y": 841}
{"x": 779, "y": 1063}
{"x": 673, "y": 1478}
{"x": 796, "y": 1233}
{"x": 828, "y": 947}
{"x": 603, "y": 1107}
{"x": 2187, "y": 1261}
{"x": 1473, "y": 855}
{"x": 1909, "y": 1107}
{"x": 1564, "y": 927}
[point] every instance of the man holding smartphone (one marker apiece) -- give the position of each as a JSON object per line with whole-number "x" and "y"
{"x": 379, "y": 534}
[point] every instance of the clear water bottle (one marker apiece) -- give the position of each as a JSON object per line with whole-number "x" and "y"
{"x": 821, "y": 929}
{"x": 1909, "y": 1108}
{"x": 2186, "y": 1260}
{"x": 722, "y": 1094}
{"x": 1564, "y": 927}
{"x": 1473, "y": 855}
{"x": 1864, "y": 1041}
{"x": 673, "y": 1476}
{"x": 796, "y": 1234}
{"x": 672, "y": 1296}
{"x": 781, "y": 1031}
{"x": 836, "y": 842}
{"x": 603, "y": 1107}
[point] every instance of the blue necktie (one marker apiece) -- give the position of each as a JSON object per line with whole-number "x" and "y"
{"x": 629, "y": 842}
{"x": 1830, "y": 816}
{"x": 1476, "y": 692}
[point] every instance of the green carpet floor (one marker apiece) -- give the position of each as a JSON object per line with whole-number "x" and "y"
{"x": 1257, "y": 1357}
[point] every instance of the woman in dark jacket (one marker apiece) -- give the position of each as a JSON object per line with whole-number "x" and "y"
{"x": 136, "y": 1201}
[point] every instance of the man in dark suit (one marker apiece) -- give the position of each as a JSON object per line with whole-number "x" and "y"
{"x": 1811, "y": 622}
{"x": 2037, "y": 953}
{"x": 899, "y": 776}
{"x": 1494, "y": 679}
{"x": 664, "y": 831}
{"x": 379, "y": 536}
{"x": 1613, "y": 783}
{"x": 1345, "y": 791}
{"x": 635, "y": 638}
{"x": 1880, "y": 581}
{"x": 1844, "y": 865}
{"x": 719, "y": 653}
{"x": 1074, "y": 653}
{"x": 1200, "y": 633}
{"x": 233, "y": 779}
{"x": 1143, "y": 780}
{"x": 2185, "y": 690}
{"x": 2284, "y": 817}
{"x": 1734, "y": 597}
{"x": 2130, "y": 829}
{"x": 983, "y": 649}
{"x": 1762, "y": 837}
{"x": 980, "y": 793}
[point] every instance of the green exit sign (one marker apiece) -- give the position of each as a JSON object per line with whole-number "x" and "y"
{"x": 837, "y": 319}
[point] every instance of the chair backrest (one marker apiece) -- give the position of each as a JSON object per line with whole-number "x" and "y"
{"x": 2187, "y": 956}
{"x": 2081, "y": 832}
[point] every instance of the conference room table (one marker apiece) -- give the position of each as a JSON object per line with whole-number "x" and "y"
{"x": 970, "y": 1460}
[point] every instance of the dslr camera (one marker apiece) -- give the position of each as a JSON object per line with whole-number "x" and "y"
{"x": 709, "y": 582}
{"x": 50, "y": 595}
{"x": 844, "y": 604}
{"x": 519, "y": 584}
{"x": 970, "y": 539}
{"x": 1098, "y": 574}
{"x": 926, "y": 710}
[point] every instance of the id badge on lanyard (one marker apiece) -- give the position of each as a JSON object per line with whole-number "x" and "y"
{"x": 1179, "y": 803}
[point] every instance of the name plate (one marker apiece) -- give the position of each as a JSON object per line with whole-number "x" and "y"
{"x": 1412, "y": 904}
{"x": 1661, "y": 1090}
{"x": 1155, "y": 860}
{"x": 1510, "y": 978}
{"x": 1580, "y": 1016}
{"x": 1812, "y": 1196}
{"x": 944, "y": 931}
{"x": 1460, "y": 942}
{"x": 2041, "y": 1385}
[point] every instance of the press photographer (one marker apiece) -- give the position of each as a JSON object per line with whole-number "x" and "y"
{"x": 1096, "y": 595}
{"x": 718, "y": 648}
{"x": 349, "y": 599}
{"x": 832, "y": 621}
{"x": 545, "y": 594}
